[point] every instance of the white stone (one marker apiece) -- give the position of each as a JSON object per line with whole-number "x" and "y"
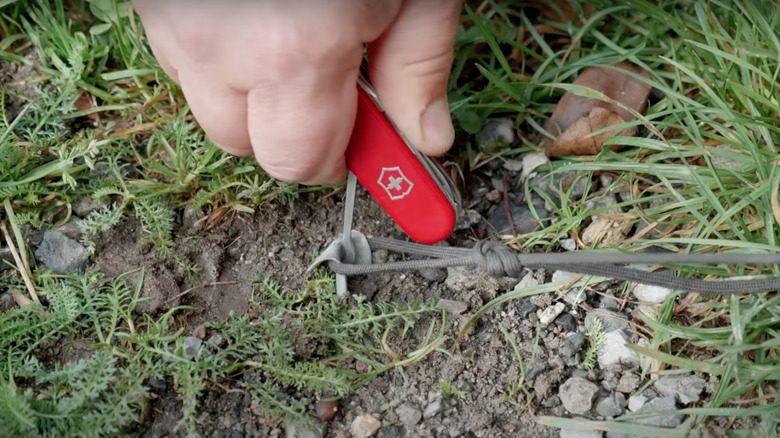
{"x": 513, "y": 165}
{"x": 530, "y": 162}
{"x": 548, "y": 314}
{"x": 614, "y": 351}
{"x": 365, "y": 426}
{"x": 651, "y": 294}
{"x": 568, "y": 244}
{"x": 635, "y": 402}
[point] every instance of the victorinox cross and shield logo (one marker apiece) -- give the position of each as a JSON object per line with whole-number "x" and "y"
{"x": 395, "y": 183}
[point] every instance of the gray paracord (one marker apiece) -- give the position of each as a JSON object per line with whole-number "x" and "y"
{"x": 500, "y": 260}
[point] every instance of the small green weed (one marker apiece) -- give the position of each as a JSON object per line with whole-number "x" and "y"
{"x": 450, "y": 390}
{"x": 99, "y": 395}
{"x": 595, "y": 340}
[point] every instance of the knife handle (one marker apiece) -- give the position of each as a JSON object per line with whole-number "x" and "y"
{"x": 386, "y": 166}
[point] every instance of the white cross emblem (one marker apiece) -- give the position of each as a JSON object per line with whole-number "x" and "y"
{"x": 395, "y": 183}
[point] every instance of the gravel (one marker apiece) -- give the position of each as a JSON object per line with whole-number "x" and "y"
{"x": 651, "y": 294}
{"x": 453, "y": 307}
{"x": 660, "y": 404}
{"x": 577, "y": 395}
{"x": 548, "y": 315}
{"x": 614, "y": 351}
{"x": 611, "y": 406}
{"x": 610, "y": 320}
{"x": 523, "y": 219}
{"x": 62, "y": 254}
{"x": 433, "y": 408}
{"x": 365, "y": 426}
{"x": 685, "y": 388}
{"x": 408, "y": 414}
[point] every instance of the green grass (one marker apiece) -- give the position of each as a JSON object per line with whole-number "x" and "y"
{"x": 716, "y": 69}
{"x": 716, "y": 66}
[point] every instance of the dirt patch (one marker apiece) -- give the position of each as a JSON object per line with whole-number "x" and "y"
{"x": 280, "y": 241}
{"x": 19, "y": 83}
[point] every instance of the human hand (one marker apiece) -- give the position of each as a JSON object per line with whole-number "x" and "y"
{"x": 277, "y": 78}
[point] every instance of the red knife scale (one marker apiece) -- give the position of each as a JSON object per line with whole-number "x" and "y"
{"x": 386, "y": 166}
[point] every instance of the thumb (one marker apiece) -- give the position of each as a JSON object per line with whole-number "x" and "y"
{"x": 410, "y": 67}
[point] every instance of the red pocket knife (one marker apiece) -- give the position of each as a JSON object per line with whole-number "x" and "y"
{"x": 411, "y": 187}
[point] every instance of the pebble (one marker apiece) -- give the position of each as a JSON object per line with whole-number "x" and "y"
{"x": 570, "y": 347}
{"x": 537, "y": 368}
{"x": 568, "y": 244}
{"x": 191, "y": 346}
{"x": 531, "y": 161}
{"x": 686, "y": 388}
{"x": 548, "y": 315}
{"x": 513, "y": 165}
{"x": 365, "y": 426}
{"x": 433, "y": 408}
{"x": 610, "y": 320}
{"x": 608, "y": 302}
{"x": 651, "y": 294}
{"x": 158, "y": 384}
{"x": 563, "y": 276}
{"x": 614, "y": 351}
{"x": 408, "y": 414}
{"x": 191, "y": 218}
{"x": 496, "y": 133}
{"x": 577, "y": 395}
{"x": 628, "y": 383}
{"x": 551, "y": 401}
{"x": 217, "y": 340}
{"x": 566, "y": 322}
{"x": 575, "y": 296}
{"x": 523, "y": 220}
{"x": 296, "y": 430}
{"x": 470, "y": 218}
{"x": 6, "y": 259}
{"x": 71, "y": 229}
{"x": 84, "y": 205}
{"x": 452, "y": 306}
{"x": 660, "y": 404}
{"x": 635, "y": 402}
{"x": 390, "y": 431}
{"x": 611, "y": 406}
{"x": 464, "y": 278}
{"x": 435, "y": 275}
{"x": 581, "y": 433}
{"x": 528, "y": 280}
{"x": 525, "y": 308}
{"x": 62, "y": 254}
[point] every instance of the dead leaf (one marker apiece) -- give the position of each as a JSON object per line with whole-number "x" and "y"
{"x": 576, "y": 117}
{"x": 606, "y": 233}
{"x": 87, "y": 101}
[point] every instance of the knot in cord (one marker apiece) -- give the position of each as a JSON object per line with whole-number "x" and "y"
{"x": 497, "y": 259}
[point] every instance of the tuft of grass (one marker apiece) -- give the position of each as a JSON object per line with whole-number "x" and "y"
{"x": 703, "y": 164}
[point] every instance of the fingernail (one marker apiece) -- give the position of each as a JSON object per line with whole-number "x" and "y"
{"x": 436, "y": 126}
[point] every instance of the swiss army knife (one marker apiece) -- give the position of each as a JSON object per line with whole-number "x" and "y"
{"x": 411, "y": 187}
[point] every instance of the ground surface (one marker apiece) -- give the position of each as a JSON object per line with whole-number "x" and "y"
{"x": 279, "y": 242}
{"x": 523, "y": 366}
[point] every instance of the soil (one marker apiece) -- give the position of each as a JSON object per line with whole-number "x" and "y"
{"x": 280, "y": 241}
